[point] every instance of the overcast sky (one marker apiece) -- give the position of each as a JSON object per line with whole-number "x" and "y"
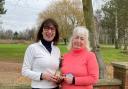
{"x": 23, "y": 14}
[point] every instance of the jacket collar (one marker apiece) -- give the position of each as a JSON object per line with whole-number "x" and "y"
{"x": 40, "y": 43}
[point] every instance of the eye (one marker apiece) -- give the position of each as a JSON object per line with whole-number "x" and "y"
{"x": 75, "y": 37}
{"x": 81, "y": 38}
{"x": 47, "y": 28}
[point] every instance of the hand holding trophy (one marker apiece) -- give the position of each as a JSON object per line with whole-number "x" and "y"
{"x": 58, "y": 74}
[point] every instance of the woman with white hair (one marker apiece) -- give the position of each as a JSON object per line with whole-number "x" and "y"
{"x": 79, "y": 65}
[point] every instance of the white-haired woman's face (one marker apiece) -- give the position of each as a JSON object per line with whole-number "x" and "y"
{"x": 78, "y": 42}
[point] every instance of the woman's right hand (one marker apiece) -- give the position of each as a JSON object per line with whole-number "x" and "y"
{"x": 49, "y": 76}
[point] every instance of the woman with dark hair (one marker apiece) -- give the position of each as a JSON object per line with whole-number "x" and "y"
{"x": 41, "y": 59}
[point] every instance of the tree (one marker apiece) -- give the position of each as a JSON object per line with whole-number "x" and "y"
{"x": 9, "y": 34}
{"x": 125, "y": 39}
{"x": 15, "y": 35}
{"x": 67, "y": 15}
{"x": 27, "y": 34}
{"x": 108, "y": 22}
{"x": 97, "y": 23}
{"x": 2, "y": 35}
{"x": 2, "y": 10}
{"x": 31, "y": 33}
{"x": 89, "y": 21}
{"x": 116, "y": 20}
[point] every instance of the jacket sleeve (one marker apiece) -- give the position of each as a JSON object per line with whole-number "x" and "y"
{"x": 27, "y": 65}
{"x": 93, "y": 72}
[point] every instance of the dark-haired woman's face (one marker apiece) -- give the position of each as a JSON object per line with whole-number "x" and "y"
{"x": 49, "y": 33}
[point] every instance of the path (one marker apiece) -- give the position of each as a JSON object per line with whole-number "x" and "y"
{"x": 10, "y": 73}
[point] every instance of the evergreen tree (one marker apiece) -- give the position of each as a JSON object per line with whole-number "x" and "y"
{"x": 2, "y": 10}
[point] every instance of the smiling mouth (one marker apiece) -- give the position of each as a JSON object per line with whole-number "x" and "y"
{"x": 49, "y": 36}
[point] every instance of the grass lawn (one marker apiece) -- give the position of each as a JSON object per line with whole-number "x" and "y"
{"x": 109, "y": 54}
{"x": 12, "y": 52}
{"x": 15, "y": 53}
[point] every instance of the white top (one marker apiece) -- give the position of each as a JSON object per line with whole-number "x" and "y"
{"x": 38, "y": 60}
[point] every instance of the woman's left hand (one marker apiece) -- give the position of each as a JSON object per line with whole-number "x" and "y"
{"x": 59, "y": 79}
{"x": 68, "y": 80}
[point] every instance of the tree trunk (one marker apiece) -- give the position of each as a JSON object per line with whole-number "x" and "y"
{"x": 87, "y": 8}
{"x": 65, "y": 41}
{"x": 126, "y": 40}
{"x": 116, "y": 31}
{"x": 89, "y": 21}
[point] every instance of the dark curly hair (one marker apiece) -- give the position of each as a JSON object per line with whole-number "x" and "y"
{"x": 48, "y": 22}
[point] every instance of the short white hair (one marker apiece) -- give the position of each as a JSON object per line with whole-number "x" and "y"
{"x": 81, "y": 31}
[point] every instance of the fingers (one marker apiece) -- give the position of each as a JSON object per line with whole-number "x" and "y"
{"x": 57, "y": 79}
{"x": 53, "y": 78}
{"x": 50, "y": 77}
{"x": 49, "y": 72}
{"x": 68, "y": 79}
{"x": 46, "y": 76}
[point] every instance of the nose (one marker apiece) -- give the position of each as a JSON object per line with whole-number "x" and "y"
{"x": 49, "y": 30}
{"x": 79, "y": 39}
